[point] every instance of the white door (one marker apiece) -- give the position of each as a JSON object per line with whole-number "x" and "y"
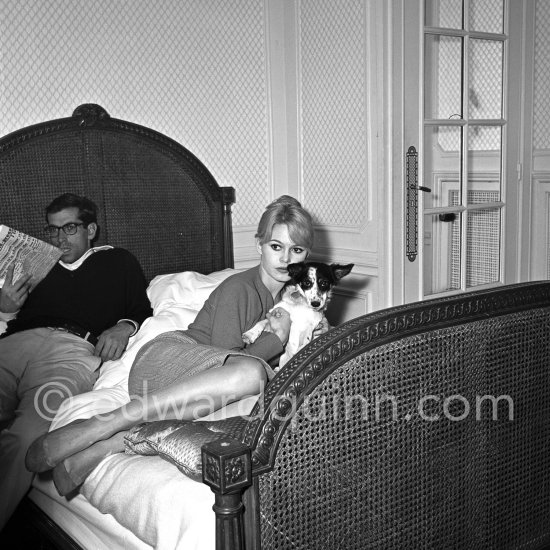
{"x": 460, "y": 145}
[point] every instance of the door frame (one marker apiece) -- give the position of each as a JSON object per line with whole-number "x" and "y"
{"x": 516, "y": 234}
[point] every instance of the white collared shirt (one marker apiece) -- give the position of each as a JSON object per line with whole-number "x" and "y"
{"x": 80, "y": 261}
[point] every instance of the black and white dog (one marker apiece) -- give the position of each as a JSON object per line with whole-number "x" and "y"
{"x": 305, "y": 297}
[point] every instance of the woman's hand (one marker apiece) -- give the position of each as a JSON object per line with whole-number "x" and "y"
{"x": 321, "y": 328}
{"x": 13, "y": 295}
{"x": 279, "y": 323}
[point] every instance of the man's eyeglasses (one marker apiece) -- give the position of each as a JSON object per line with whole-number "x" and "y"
{"x": 69, "y": 229}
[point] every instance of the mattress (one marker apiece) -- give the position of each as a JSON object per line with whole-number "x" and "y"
{"x": 85, "y": 524}
{"x": 154, "y": 504}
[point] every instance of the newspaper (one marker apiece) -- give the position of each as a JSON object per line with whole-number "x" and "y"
{"x": 29, "y": 254}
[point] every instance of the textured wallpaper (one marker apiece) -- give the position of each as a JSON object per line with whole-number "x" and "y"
{"x": 333, "y": 87}
{"x": 541, "y": 115}
{"x": 192, "y": 69}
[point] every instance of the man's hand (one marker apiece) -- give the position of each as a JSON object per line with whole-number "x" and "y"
{"x": 113, "y": 341}
{"x": 13, "y": 295}
{"x": 279, "y": 323}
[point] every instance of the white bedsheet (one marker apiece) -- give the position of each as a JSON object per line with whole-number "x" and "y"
{"x": 131, "y": 496}
{"x": 152, "y": 499}
{"x": 140, "y": 496}
{"x": 85, "y": 524}
{"x": 176, "y": 299}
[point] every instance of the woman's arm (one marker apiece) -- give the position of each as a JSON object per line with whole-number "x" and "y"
{"x": 237, "y": 308}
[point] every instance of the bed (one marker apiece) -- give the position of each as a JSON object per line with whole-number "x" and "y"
{"x": 420, "y": 426}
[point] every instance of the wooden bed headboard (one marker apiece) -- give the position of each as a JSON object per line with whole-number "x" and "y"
{"x": 155, "y": 197}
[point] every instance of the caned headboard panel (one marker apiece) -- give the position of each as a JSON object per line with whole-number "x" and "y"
{"x": 155, "y": 197}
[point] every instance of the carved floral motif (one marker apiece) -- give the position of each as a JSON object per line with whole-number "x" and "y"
{"x": 234, "y": 470}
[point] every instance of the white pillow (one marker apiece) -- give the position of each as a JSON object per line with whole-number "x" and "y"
{"x": 187, "y": 289}
{"x": 176, "y": 299}
{"x": 5, "y": 318}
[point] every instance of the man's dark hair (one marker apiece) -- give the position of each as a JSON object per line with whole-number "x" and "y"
{"x": 87, "y": 209}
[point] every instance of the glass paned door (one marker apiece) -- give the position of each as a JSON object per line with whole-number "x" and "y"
{"x": 462, "y": 128}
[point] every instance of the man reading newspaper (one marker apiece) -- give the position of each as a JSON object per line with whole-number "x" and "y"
{"x": 82, "y": 313}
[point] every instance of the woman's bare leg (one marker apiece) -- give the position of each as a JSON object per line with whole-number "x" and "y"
{"x": 70, "y": 473}
{"x": 188, "y": 399}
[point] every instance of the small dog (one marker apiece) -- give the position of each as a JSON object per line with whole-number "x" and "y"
{"x": 305, "y": 297}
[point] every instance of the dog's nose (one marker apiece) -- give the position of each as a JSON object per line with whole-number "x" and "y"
{"x": 315, "y": 303}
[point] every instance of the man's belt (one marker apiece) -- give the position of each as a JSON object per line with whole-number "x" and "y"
{"x": 76, "y": 330}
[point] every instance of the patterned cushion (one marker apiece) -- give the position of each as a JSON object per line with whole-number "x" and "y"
{"x": 144, "y": 438}
{"x": 177, "y": 441}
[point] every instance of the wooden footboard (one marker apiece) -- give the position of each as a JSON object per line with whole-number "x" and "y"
{"x": 425, "y": 425}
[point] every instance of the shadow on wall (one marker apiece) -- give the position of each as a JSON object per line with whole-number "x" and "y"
{"x": 348, "y": 300}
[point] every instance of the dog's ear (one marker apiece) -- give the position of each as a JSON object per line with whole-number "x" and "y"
{"x": 296, "y": 270}
{"x": 340, "y": 271}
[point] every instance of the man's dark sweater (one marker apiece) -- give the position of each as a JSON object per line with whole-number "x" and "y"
{"x": 107, "y": 287}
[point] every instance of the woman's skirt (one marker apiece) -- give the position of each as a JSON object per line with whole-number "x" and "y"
{"x": 173, "y": 356}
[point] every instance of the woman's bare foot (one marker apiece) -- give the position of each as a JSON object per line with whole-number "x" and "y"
{"x": 71, "y": 473}
{"x": 50, "y": 449}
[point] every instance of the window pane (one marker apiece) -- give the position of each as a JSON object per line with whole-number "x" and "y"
{"x": 441, "y": 253}
{"x": 483, "y": 249}
{"x": 485, "y": 93}
{"x": 487, "y": 16}
{"x": 442, "y": 164}
{"x": 443, "y": 13}
{"x": 442, "y": 73}
{"x": 484, "y": 162}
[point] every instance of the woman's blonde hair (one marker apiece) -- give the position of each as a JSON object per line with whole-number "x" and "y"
{"x": 287, "y": 210}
